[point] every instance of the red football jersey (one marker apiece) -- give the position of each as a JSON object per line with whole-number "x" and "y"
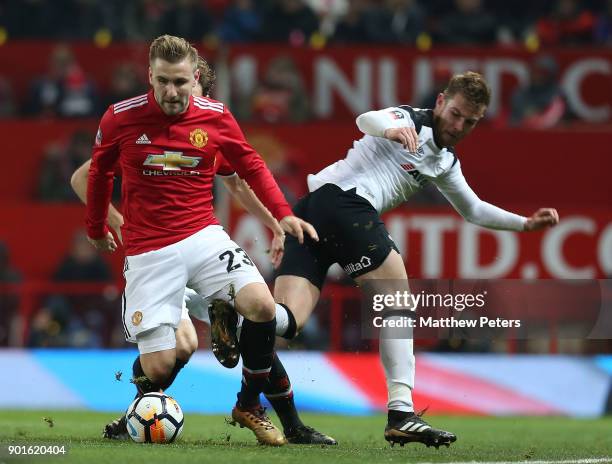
{"x": 168, "y": 164}
{"x": 222, "y": 167}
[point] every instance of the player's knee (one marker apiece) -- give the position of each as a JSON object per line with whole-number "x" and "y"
{"x": 186, "y": 341}
{"x": 183, "y": 353}
{"x": 186, "y": 348}
{"x": 256, "y": 304}
{"x": 159, "y": 373}
{"x": 158, "y": 366}
{"x": 262, "y": 309}
{"x": 157, "y": 352}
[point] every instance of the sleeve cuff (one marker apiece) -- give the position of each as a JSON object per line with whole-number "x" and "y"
{"x": 282, "y": 212}
{"x": 97, "y": 233}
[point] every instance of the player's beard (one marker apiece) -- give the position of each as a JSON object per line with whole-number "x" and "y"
{"x": 441, "y": 137}
{"x": 437, "y": 131}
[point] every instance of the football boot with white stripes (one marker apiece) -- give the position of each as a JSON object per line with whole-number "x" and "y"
{"x": 223, "y": 337}
{"x": 414, "y": 429}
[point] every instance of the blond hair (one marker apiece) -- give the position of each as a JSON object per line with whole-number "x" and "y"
{"x": 471, "y": 85}
{"x": 172, "y": 49}
{"x": 207, "y": 76}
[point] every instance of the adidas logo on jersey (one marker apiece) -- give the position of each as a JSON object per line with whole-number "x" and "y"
{"x": 143, "y": 139}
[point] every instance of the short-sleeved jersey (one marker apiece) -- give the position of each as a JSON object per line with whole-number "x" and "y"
{"x": 168, "y": 164}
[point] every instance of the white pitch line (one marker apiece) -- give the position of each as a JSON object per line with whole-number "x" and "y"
{"x": 566, "y": 461}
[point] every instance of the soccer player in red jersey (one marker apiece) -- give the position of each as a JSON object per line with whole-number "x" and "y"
{"x": 279, "y": 391}
{"x": 165, "y": 142}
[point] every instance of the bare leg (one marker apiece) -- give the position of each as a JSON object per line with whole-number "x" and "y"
{"x": 298, "y": 294}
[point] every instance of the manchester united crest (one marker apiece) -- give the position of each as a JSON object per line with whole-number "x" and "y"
{"x": 198, "y": 138}
{"x": 136, "y": 318}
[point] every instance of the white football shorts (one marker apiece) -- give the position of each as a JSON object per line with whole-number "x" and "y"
{"x": 209, "y": 262}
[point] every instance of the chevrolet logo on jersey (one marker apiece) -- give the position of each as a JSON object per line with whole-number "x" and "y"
{"x": 172, "y": 161}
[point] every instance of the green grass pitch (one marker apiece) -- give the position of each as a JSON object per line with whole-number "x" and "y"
{"x": 210, "y": 439}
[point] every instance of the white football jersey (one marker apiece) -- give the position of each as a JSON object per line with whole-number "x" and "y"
{"x": 386, "y": 174}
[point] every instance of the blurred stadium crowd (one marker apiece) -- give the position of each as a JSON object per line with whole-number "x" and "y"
{"x": 454, "y": 22}
{"x": 65, "y": 91}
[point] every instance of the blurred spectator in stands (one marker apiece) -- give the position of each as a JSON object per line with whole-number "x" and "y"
{"x": 281, "y": 96}
{"x": 395, "y": 21}
{"x": 8, "y": 274}
{"x": 469, "y": 24}
{"x": 90, "y": 312}
{"x": 218, "y": 7}
{"x": 141, "y": 19}
{"x": 9, "y": 301}
{"x": 329, "y": 13}
{"x": 603, "y": 25}
{"x": 568, "y": 24}
{"x": 125, "y": 84}
{"x": 289, "y": 21}
{"x": 441, "y": 74}
{"x": 58, "y": 165}
{"x": 539, "y": 104}
{"x": 515, "y": 18}
{"x": 30, "y": 19}
{"x": 54, "y": 173}
{"x": 353, "y": 26}
{"x": 187, "y": 18}
{"x": 82, "y": 263}
{"x": 50, "y": 324}
{"x": 64, "y": 91}
{"x": 7, "y": 99}
{"x": 91, "y": 17}
{"x": 241, "y": 22}
{"x": 56, "y": 324}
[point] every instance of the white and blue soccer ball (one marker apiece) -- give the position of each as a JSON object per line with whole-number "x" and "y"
{"x": 154, "y": 418}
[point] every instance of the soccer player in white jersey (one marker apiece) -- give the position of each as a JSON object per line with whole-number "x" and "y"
{"x": 278, "y": 392}
{"x": 402, "y": 149}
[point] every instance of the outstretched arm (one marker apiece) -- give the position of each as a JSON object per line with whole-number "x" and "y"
{"x": 544, "y": 217}
{"x": 78, "y": 181}
{"x": 457, "y": 191}
{"x": 247, "y": 198}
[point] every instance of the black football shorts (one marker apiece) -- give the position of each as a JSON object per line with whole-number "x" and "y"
{"x": 350, "y": 230}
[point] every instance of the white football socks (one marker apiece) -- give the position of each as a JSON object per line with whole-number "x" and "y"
{"x": 397, "y": 357}
{"x": 282, "y": 320}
